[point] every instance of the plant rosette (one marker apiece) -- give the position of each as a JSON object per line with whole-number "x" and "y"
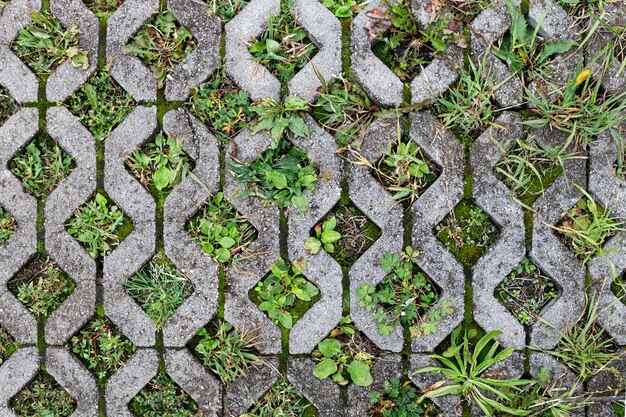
{"x": 325, "y": 236}
{"x": 345, "y": 356}
{"x": 283, "y": 289}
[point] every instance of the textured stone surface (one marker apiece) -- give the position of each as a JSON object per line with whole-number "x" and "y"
{"x": 465, "y": 171}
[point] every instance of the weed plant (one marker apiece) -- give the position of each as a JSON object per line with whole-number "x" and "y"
{"x": 221, "y": 106}
{"x": 587, "y": 226}
{"x": 285, "y": 293}
{"x": 161, "y": 164}
{"x": 99, "y": 225}
{"x": 398, "y": 398}
{"x": 463, "y": 367}
{"x": 44, "y": 44}
{"x": 345, "y": 356}
{"x": 163, "y": 397}
{"x": 8, "y": 345}
{"x": 42, "y": 165}
{"x": 159, "y": 288}
{"x": 8, "y": 225}
{"x": 221, "y": 231}
{"x": 43, "y": 397}
{"x": 226, "y": 351}
{"x": 585, "y": 347}
{"x": 101, "y": 104}
{"x": 284, "y": 47}
{"x": 103, "y": 8}
{"x": 525, "y": 291}
{"x": 41, "y": 287}
{"x": 405, "y": 297}
{"x": 162, "y": 44}
{"x": 101, "y": 347}
{"x": 345, "y": 111}
{"x": 284, "y": 400}
{"x": 8, "y": 105}
{"x": 226, "y": 9}
{"x": 467, "y": 232}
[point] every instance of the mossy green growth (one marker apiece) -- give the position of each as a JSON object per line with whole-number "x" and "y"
{"x": 162, "y": 44}
{"x": 284, "y": 47}
{"x": 467, "y": 232}
{"x": 8, "y": 345}
{"x": 42, "y": 165}
{"x": 45, "y": 44}
{"x": 43, "y": 397}
{"x": 159, "y": 288}
{"x": 103, "y": 8}
{"x": 101, "y": 104}
{"x": 102, "y": 347}
{"x": 100, "y": 226}
{"x": 163, "y": 397}
{"x": 619, "y": 288}
{"x": 8, "y": 105}
{"x": 284, "y": 400}
{"x": 8, "y": 225}
{"x": 41, "y": 286}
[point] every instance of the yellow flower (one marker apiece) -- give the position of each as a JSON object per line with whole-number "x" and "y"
{"x": 582, "y": 77}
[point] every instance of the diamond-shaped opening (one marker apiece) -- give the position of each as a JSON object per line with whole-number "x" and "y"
{"x": 399, "y": 396}
{"x": 619, "y": 288}
{"x": 345, "y": 355}
{"x": 586, "y": 227}
{"x": 162, "y": 43}
{"x": 294, "y": 176}
{"x": 161, "y": 164}
{"x": 525, "y": 291}
{"x": 101, "y": 347}
{"x": 103, "y": 8}
{"x": 225, "y": 350}
{"x": 357, "y": 232}
{"x": 8, "y": 225}
{"x": 347, "y": 120}
{"x": 405, "y": 297}
{"x": 221, "y": 105}
{"x": 221, "y": 232}
{"x": 99, "y": 225}
{"x": 405, "y": 170}
{"x": 587, "y": 335}
{"x": 41, "y": 286}
{"x": 159, "y": 288}
{"x": 163, "y": 397}
{"x": 467, "y": 232}
{"x": 284, "y": 47}
{"x": 285, "y": 397}
{"x": 285, "y": 294}
{"x": 101, "y": 104}
{"x": 8, "y": 105}
{"x": 61, "y": 44}
{"x": 8, "y": 345}
{"x": 401, "y": 47}
{"x": 43, "y": 396}
{"x": 526, "y": 170}
{"x": 42, "y": 165}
